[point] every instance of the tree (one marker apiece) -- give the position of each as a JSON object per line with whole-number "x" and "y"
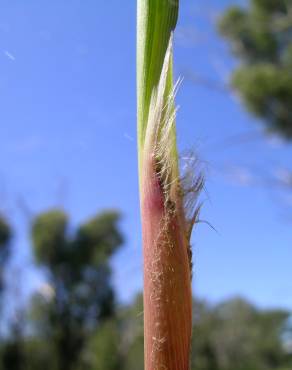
{"x": 81, "y": 296}
{"x": 12, "y": 355}
{"x": 260, "y": 36}
{"x": 102, "y": 351}
{"x": 232, "y": 335}
{"x": 235, "y": 335}
{"x": 132, "y": 342}
{"x": 5, "y": 236}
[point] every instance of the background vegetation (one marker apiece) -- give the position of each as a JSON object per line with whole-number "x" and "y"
{"x": 73, "y": 321}
{"x": 260, "y": 37}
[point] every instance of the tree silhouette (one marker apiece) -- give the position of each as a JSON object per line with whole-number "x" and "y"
{"x": 81, "y": 294}
{"x": 260, "y": 36}
{"x": 5, "y": 235}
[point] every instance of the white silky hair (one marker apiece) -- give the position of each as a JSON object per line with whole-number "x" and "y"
{"x": 160, "y": 143}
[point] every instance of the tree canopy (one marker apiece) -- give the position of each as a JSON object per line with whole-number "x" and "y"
{"x": 5, "y": 235}
{"x": 260, "y": 36}
{"x": 80, "y": 277}
{"x": 5, "y": 232}
{"x": 77, "y": 298}
{"x": 74, "y": 322}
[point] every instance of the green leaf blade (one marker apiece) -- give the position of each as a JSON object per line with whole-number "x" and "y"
{"x": 156, "y": 20}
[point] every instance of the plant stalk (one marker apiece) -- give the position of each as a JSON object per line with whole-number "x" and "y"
{"x": 165, "y": 224}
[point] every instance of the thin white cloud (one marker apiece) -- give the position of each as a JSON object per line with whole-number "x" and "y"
{"x": 240, "y": 176}
{"x": 9, "y": 55}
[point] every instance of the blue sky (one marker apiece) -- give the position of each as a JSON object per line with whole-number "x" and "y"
{"x": 68, "y": 139}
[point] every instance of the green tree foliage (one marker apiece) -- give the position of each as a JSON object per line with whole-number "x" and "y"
{"x": 103, "y": 349}
{"x": 49, "y": 238}
{"x": 233, "y": 335}
{"x": 118, "y": 344}
{"x": 75, "y": 324}
{"x": 5, "y": 235}
{"x": 5, "y": 232}
{"x": 260, "y": 36}
{"x": 132, "y": 335}
{"x": 38, "y": 354}
{"x": 79, "y": 272}
{"x": 236, "y": 336}
{"x": 11, "y": 355}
